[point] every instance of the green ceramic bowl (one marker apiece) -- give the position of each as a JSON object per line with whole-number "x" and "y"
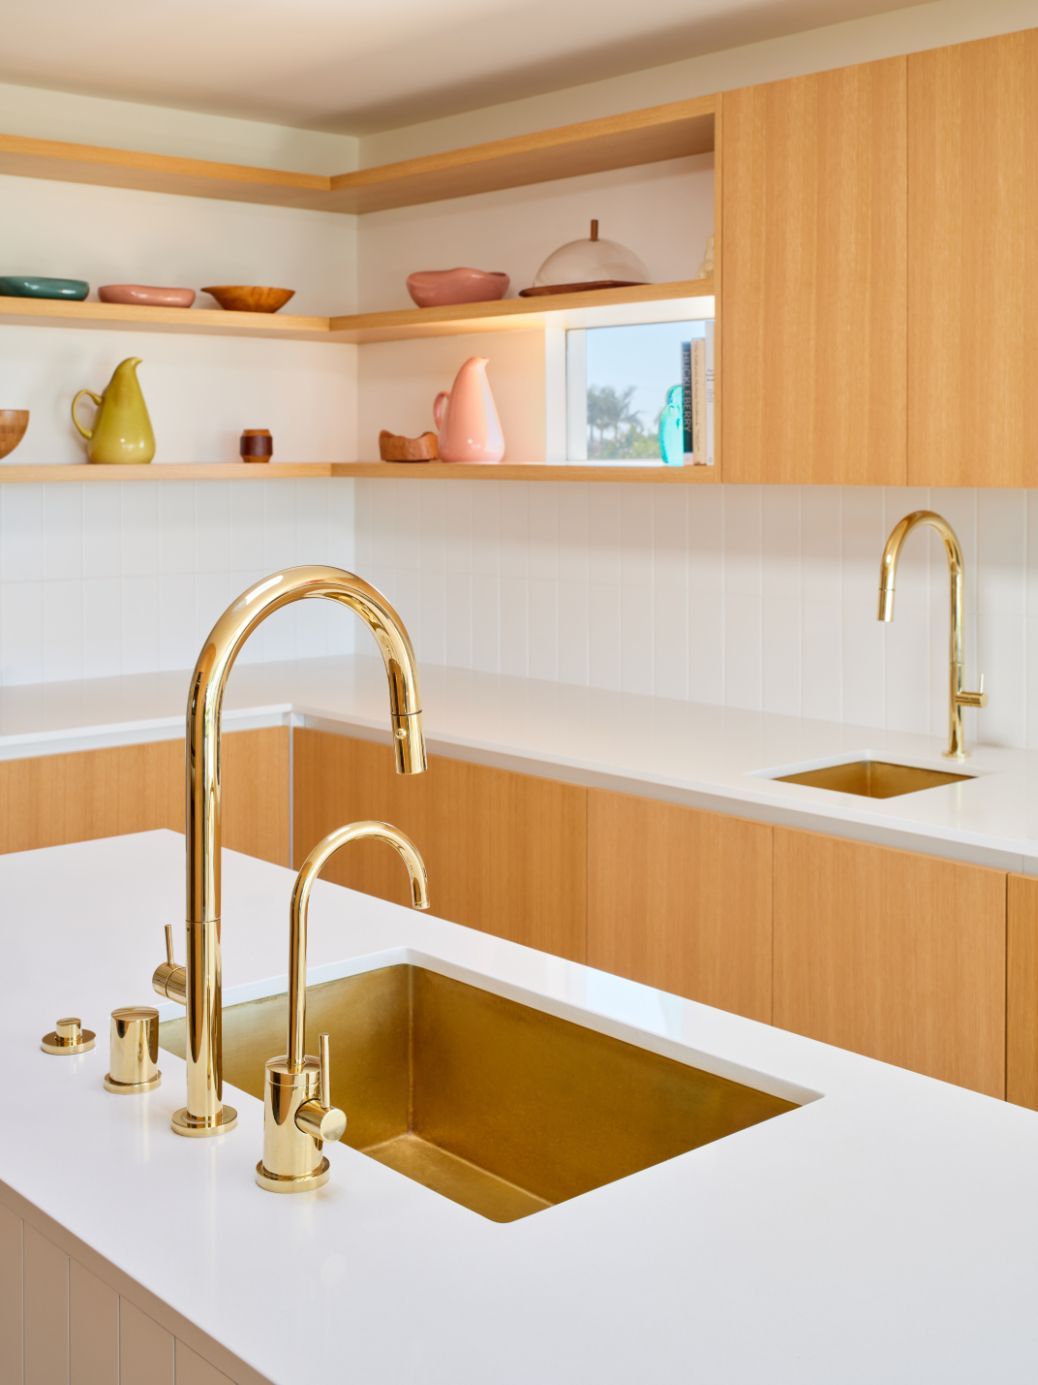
{"x": 31, "y": 286}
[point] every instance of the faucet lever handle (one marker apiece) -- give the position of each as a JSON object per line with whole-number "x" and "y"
{"x": 169, "y": 979}
{"x": 320, "y": 1118}
{"x": 974, "y": 699}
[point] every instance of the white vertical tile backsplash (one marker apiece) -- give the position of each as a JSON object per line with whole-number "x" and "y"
{"x": 128, "y": 577}
{"x": 756, "y": 597}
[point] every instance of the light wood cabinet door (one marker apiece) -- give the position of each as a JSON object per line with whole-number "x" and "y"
{"x": 973, "y": 261}
{"x": 814, "y": 278}
{"x": 48, "y": 800}
{"x": 892, "y": 954}
{"x": 506, "y": 853}
{"x": 681, "y": 899}
{"x": 1022, "y": 991}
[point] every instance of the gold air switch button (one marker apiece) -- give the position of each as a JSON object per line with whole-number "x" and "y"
{"x": 68, "y": 1036}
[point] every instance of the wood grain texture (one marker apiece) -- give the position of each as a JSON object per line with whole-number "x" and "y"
{"x": 43, "y": 473}
{"x": 892, "y": 954}
{"x": 93, "y": 1319}
{"x": 651, "y": 474}
{"x": 1022, "y": 991}
{"x": 11, "y": 1306}
{"x": 681, "y": 900}
{"x": 46, "y": 1270}
{"x": 41, "y": 312}
{"x": 145, "y": 1348}
{"x": 591, "y": 146}
{"x": 973, "y": 258}
{"x": 506, "y": 852}
{"x": 814, "y": 294}
{"x": 51, "y": 799}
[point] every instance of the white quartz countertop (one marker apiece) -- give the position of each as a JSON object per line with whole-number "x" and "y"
{"x": 887, "y": 1231}
{"x": 706, "y": 756}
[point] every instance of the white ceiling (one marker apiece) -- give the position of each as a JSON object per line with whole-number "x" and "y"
{"x": 357, "y": 66}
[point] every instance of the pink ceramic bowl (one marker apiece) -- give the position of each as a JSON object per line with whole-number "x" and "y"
{"x": 435, "y": 288}
{"x": 145, "y": 295}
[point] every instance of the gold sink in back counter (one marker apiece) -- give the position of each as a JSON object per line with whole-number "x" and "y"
{"x": 492, "y": 1103}
{"x": 872, "y": 778}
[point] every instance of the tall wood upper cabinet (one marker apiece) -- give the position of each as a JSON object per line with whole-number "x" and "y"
{"x": 814, "y": 278}
{"x": 973, "y": 262}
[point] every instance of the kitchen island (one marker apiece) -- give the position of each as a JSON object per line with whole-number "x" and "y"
{"x": 886, "y": 1230}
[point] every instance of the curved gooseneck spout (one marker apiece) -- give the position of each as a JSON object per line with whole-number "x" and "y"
{"x": 958, "y": 697}
{"x": 298, "y": 1115}
{"x": 204, "y": 1113}
{"x": 299, "y": 912}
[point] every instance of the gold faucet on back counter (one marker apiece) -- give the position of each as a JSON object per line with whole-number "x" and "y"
{"x": 958, "y": 697}
{"x": 298, "y": 1115}
{"x": 198, "y": 985}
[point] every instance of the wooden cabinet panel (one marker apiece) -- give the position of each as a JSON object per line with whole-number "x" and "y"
{"x": 11, "y": 1310}
{"x": 145, "y": 1348}
{"x": 895, "y": 955}
{"x": 681, "y": 899}
{"x": 191, "y": 1369}
{"x": 45, "y": 1321}
{"x": 973, "y": 258}
{"x": 93, "y": 1327}
{"x": 1022, "y": 991}
{"x": 506, "y": 852}
{"x": 51, "y": 799}
{"x": 814, "y": 289}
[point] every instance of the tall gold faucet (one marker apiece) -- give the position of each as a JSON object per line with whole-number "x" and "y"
{"x": 198, "y": 985}
{"x": 958, "y": 697}
{"x": 298, "y": 1116}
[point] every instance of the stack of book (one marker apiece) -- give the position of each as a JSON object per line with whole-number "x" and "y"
{"x": 697, "y": 398}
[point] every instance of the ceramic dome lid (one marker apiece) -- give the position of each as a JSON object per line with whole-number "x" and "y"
{"x": 591, "y": 262}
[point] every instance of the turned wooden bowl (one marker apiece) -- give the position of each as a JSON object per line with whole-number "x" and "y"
{"x": 249, "y": 298}
{"x": 13, "y": 423}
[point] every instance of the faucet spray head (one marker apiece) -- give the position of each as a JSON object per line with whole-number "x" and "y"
{"x": 886, "y": 603}
{"x": 409, "y": 743}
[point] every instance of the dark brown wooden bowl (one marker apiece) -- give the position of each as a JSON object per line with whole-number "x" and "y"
{"x": 13, "y": 423}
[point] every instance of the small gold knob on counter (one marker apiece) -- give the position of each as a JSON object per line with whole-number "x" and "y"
{"x": 133, "y": 1065}
{"x": 68, "y": 1036}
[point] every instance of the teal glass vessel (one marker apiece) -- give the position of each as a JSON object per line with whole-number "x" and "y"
{"x": 672, "y": 432}
{"x": 32, "y": 286}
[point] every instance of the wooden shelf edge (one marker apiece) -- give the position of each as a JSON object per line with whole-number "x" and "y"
{"x": 526, "y": 471}
{"x": 164, "y": 471}
{"x": 636, "y": 137}
{"x": 54, "y": 312}
{"x": 406, "y": 324}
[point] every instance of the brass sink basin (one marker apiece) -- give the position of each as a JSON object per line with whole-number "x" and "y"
{"x": 873, "y": 778}
{"x": 496, "y": 1105}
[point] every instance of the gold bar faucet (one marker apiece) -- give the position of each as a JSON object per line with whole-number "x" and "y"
{"x": 198, "y": 984}
{"x": 958, "y": 697}
{"x": 298, "y": 1115}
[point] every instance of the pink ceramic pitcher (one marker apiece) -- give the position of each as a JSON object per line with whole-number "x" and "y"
{"x": 466, "y": 418}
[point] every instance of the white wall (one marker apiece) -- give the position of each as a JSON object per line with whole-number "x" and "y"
{"x": 748, "y": 596}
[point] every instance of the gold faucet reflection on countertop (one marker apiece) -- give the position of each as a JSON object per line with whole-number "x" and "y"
{"x": 298, "y": 1115}
{"x": 958, "y": 697}
{"x": 198, "y": 984}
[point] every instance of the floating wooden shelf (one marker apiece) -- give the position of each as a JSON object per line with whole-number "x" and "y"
{"x": 654, "y": 472}
{"x": 398, "y": 325}
{"x": 509, "y": 314}
{"x": 639, "y": 137}
{"x": 167, "y": 471}
{"x": 592, "y": 146}
{"x": 39, "y": 312}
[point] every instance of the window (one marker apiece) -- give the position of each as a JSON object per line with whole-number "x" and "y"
{"x": 618, "y": 379}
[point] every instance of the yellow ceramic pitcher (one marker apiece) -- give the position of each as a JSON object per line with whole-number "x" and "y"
{"x": 122, "y": 429}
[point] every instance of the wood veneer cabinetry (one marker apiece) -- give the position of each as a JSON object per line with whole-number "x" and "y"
{"x": 506, "y": 852}
{"x": 48, "y": 800}
{"x": 1022, "y": 991}
{"x": 893, "y": 954}
{"x": 681, "y": 899}
{"x": 973, "y": 263}
{"x": 814, "y": 294}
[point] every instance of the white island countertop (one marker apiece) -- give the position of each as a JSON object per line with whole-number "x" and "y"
{"x": 706, "y": 756}
{"x": 886, "y": 1231}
